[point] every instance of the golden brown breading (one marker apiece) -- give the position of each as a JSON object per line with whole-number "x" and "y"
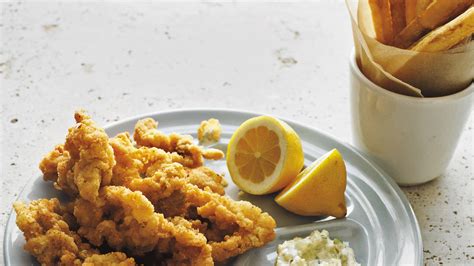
{"x": 128, "y": 221}
{"x": 48, "y": 235}
{"x": 147, "y": 134}
{"x": 205, "y": 178}
{"x": 153, "y": 200}
{"x": 249, "y": 226}
{"x": 133, "y": 163}
{"x": 209, "y": 131}
{"x": 112, "y": 258}
{"x": 84, "y": 163}
{"x": 161, "y": 191}
{"x": 49, "y": 164}
{"x": 232, "y": 226}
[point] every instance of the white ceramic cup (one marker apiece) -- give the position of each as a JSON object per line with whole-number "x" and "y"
{"x": 412, "y": 139}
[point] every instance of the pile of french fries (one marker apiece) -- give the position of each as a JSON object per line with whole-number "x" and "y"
{"x": 423, "y": 25}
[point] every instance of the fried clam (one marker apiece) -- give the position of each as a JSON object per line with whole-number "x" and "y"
{"x": 209, "y": 131}
{"x": 134, "y": 163}
{"x": 205, "y": 178}
{"x": 46, "y": 225}
{"x": 126, "y": 220}
{"x": 84, "y": 163}
{"x": 87, "y": 160}
{"x": 244, "y": 225}
{"x": 231, "y": 227}
{"x": 147, "y": 134}
{"x": 150, "y": 198}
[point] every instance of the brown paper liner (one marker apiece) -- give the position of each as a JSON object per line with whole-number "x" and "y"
{"x": 408, "y": 72}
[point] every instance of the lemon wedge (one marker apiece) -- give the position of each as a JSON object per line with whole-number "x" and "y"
{"x": 264, "y": 155}
{"x": 318, "y": 189}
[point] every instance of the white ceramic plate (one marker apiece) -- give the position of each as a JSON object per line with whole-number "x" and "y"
{"x": 380, "y": 225}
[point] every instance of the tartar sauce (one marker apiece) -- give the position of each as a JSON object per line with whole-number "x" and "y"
{"x": 316, "y": 249}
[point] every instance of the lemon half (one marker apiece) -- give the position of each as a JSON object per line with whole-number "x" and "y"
{"x": 264, "y": 155}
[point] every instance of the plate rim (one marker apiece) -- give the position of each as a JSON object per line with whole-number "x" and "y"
{"x": 366, "y": 158}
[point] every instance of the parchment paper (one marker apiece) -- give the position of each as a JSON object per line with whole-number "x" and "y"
{"x": 418, "y": 74}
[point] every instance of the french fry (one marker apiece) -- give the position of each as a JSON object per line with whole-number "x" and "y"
{"x": 441, "y": 11}
{"x": 413, "y": 8}
{"x": 410, "y": 10}
{"x": 382, "y": 20}
{"x": 436, "y": 14}
{"x": 397, "y": 12}
{"x": 421, "y": 6}
{"x": 448, "y": 35}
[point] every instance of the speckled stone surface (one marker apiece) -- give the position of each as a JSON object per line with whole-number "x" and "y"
{"x": 120, "y": 60}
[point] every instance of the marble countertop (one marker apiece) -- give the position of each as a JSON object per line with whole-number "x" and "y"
{"x": 120, "y": 60}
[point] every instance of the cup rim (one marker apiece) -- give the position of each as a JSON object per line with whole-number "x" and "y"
{"x": 376, "y": 88}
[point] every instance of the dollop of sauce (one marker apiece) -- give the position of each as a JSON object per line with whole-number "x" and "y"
{"x": 315, "y": 249}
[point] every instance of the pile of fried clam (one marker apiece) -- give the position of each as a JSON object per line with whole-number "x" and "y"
{"x": 147, "y": 200}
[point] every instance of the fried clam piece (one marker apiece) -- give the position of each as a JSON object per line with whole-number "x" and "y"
{"x": 231, "y": 227}
{"x": 209, "y": 131}
{"x": 49, "y": 164}
{"x": 245, "y": 225}
{"x": 46, "y": 227}
{"x": 111, "y": 258}
{"x": 162, "y": 189}
{"x": 147, "y": 134}
{"x": 134, "y": 163}
{"x": 204, "y": 177}
{"x": 84, "y": 163}
{"x": 126, "y": 220}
